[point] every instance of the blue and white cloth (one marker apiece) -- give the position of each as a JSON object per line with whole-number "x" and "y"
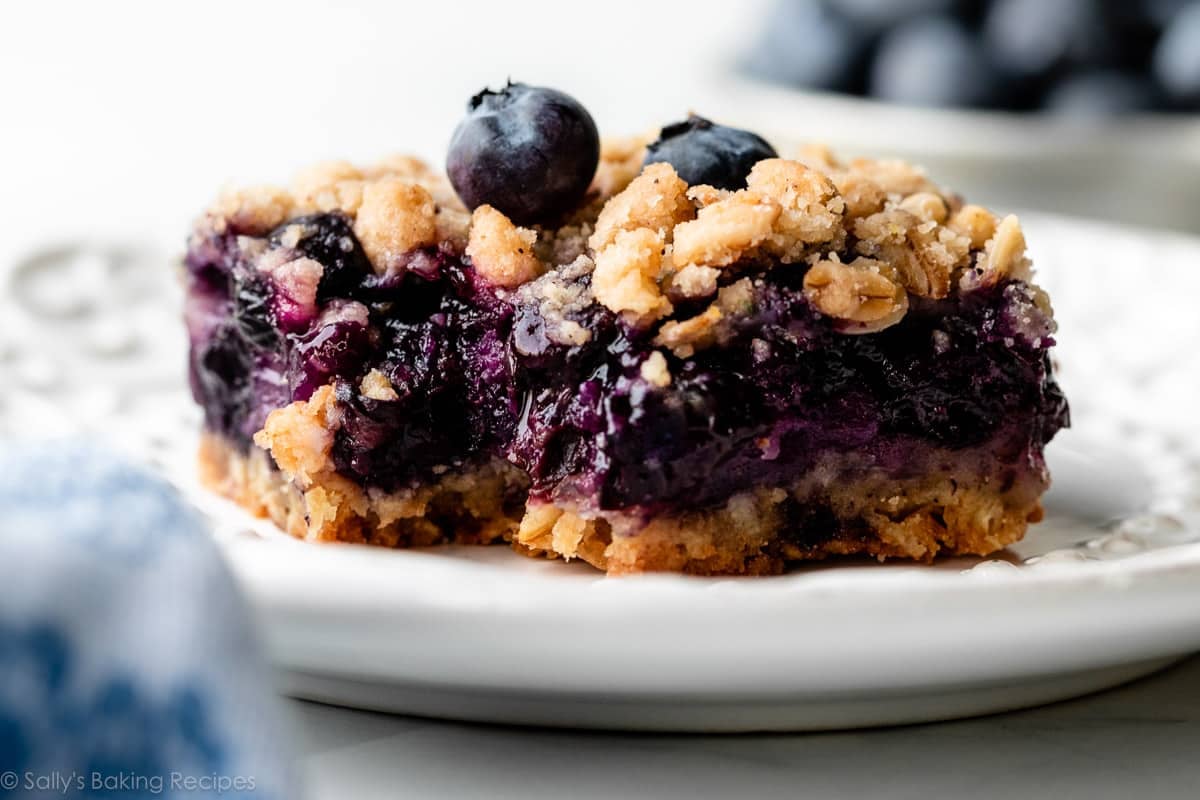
{"x": 128, "y": 664}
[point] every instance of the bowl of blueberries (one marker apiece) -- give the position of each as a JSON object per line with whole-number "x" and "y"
{"x": 1087, "y": 107}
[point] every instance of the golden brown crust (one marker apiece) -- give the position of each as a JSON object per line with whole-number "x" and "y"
{"x": 752, "y": 533}
{"x": 474, "y": 506}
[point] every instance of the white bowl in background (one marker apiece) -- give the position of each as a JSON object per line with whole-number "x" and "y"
{"x": 1142, "y": 169}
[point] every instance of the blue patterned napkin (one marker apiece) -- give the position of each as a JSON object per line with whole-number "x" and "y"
{"x": 128, "y": 666}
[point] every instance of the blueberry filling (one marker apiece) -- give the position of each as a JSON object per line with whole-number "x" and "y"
{"x": 475, "y": 374}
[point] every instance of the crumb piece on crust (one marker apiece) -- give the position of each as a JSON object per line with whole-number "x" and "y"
{"x": 685, "y": 337}
{"x": 537, "y": 525}
{"x": 691, "y": 282}
{"x": 396, "y": 216}
{"x": 501, "y": 252}
{"x": 654, "y": 370}
{"x": 655, "y": 200}
{"x": 925, "y": 254}
{"x": 300, "y": 436}
{"x": 725, "y": 231}
{"x": 561, "y": 533}
{"x": 254, "y": 210}
{"x": 810, "y": 207}
{"x": 925, "y": 206}
{"x": 627, "y": 274}
{"x": 329, "y": 186}
{"x": 376, "y": 386}
{"x": 976, "y": 223}
{"x": 895, "y": 177}
{"x": 703, "y": 195}
{"x": 620, "y": 162}
{"x": 865, "y": 292}
{"x": 558, "y": 295}
{"x": 863, "y": 197}
{"x": 1004, "y": 254}
{"x": 296, "y": 279}
{"x": 818, "y": 156}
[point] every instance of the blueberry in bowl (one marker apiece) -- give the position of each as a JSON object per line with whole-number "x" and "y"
{"x": 683, "y": 353}
{"x": 1081, "y": 59}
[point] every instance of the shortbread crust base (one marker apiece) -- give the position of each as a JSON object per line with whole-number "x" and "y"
{"x": 916, "y": 519}
{"x": 478, "y": 506}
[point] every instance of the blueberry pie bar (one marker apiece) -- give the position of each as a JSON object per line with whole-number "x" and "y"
{"x": 677, "y": 353}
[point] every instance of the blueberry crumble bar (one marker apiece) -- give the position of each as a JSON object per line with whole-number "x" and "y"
{"x": 677, "y": 353}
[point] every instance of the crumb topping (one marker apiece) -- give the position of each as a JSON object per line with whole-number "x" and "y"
{"x": 501, "y": 252}
{"x": 871, "y": 233}
{"x": 329, "y": 186}
{"x": 395, "y": 217}
{"x": 255, "y": 209}
{"x": 714, "y": 324}
{"x": 300, "y": 436}
{"x": 725, "y": 231}
{"x": 654, "y": 370}
{"x": 656, "y": 201}
{"x": 1004, "y": 254}
{"x": 865, "y": 291}
{"x": 558, "y": 296}
{"x": 628, "y": 275}
{"x": 620, "y": 162}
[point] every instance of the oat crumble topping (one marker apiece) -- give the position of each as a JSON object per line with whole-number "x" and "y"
{"x": 871, "y": 232}
{"x": 501, "y": 252}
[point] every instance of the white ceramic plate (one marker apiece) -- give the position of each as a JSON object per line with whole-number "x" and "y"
{"x": 1105, "y": 590}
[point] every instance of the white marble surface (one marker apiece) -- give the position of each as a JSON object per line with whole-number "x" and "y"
{"x": 1139, "y": 741}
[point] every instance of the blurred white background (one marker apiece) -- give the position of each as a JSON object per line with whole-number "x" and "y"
{"x": 125, "y": 117}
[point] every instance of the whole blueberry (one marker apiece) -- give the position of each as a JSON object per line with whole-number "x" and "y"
{"x": 528, "y": 151}
{"x": 803, "y": 43}
{"x": 932, "y": 61}
{"x": 1177, "y": 58}
{"x": 703, "y": 152}
{"x": 1100, "y": 94}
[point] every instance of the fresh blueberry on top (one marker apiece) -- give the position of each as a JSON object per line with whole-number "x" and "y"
{"x": 528, "y": 151}
{"x": 703, "y": 152}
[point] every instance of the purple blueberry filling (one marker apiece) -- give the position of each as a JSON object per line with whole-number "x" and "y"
{"x": 476, "y": 376}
